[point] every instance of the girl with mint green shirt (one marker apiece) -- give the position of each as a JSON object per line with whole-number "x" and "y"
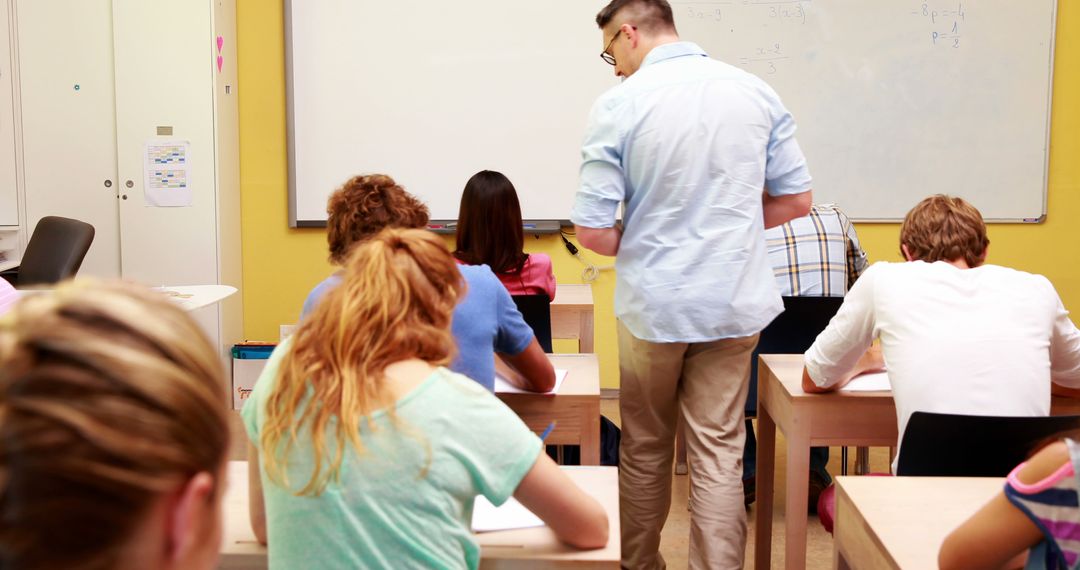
{"x": 370, "y": 452}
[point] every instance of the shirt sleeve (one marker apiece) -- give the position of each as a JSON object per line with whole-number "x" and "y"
{"x": 603, "y": 182}
{"x": 785, "y": 166}
{"x": 1064, "y": 346}
{"x": 856, "y": 257}
{"x": 496, "y": 447}
{"x": 838, "y": 348}
{"x": 513, "y": 335}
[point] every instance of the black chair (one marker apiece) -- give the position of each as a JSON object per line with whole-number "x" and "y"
{"x": 951, "y": 445}
{"x": 55, "y": 252}
{"x": 536, "y": 309}
{"x": 792, "y": 332}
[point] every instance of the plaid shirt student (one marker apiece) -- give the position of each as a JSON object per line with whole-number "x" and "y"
{"x": 816, "y": 255}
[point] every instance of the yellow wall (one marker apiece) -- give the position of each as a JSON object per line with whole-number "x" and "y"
{"x": 281, "y": 265}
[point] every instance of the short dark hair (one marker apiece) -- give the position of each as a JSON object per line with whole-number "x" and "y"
{"x": 489, "y": 224}
{"x": 657, "y": 14}
{"x": 363, "y": 207}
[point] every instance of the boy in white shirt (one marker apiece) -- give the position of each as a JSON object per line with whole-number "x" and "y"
{"x": 957, "y": 336}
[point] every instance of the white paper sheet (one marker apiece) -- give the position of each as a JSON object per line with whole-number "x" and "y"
{"x": 505, "y": 387}
{"x": 166, "y": 173}
{"x": 512, "y": 514}
{"x": 872, "y": 382}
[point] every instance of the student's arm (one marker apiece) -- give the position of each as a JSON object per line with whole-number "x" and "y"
{"x": 575, "y": 517}
{"x": 781, "y": 209}
{"x": 843, "y": 349}
{"x": 256, "y": 506}
{"x": 604, "y": 241}
{"x": 529, "y": 370}
{"x": 870, "y": 361}
{"x": 999, "y": 534}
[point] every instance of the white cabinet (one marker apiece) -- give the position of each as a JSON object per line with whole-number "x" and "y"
{"x": 66, "y": 87}
{"x": 10, "y": 238}
{"x": 97, "y": 80}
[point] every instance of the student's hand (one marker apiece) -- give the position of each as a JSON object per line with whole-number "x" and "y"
{"x": 871, "y": 361}
{"x": 575, "y": 517}
{"x": 532, "y": 370}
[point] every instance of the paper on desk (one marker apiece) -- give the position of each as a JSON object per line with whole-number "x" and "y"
{"x": 503, "y": 386}
{"x": 486, "y": 517}
{"x": 872, "y": 382}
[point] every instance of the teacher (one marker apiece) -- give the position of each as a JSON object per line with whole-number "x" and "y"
{"x": 702, "y": 157}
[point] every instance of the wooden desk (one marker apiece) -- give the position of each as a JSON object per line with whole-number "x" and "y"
{"x": 572, "y": 315}
{"x": 831, "y": 419}
{"x": 900, "y": 522}
{"x": 530, "y": 547}
{"x": 575, "y": 409}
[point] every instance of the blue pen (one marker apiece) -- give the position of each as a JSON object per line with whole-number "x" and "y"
{"x": 547, "y": 431}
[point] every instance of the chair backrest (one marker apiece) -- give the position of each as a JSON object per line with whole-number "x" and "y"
{"x": 791, "y": 332}
{"x": 951, "y": 445}
{"x": 56, "y": 250}
{"x": 537, "y": 312}
{"x": 794, "y": 330}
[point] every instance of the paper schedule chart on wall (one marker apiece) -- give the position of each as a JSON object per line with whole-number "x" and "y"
{"x": 166, "y": 166}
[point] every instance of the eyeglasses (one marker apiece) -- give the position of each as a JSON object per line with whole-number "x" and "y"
{"x": 606, "y": 55}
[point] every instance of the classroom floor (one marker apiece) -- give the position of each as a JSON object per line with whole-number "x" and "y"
{"x": 674, "y": 540}
{"x": 819, "y": 544}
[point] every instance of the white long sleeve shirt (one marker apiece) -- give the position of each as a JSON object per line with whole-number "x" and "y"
{"x": 982, "y": 341}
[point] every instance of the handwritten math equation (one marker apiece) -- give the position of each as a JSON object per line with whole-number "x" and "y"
{"x": 944, "y": 22}
{"x": 764, "y": 59}
{"x": 722, "y": 10}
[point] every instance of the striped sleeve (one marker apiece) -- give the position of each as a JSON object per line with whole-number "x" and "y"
{"x": 1053, "y": 505}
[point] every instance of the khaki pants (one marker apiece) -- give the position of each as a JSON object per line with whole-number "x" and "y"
{"x": 706, "y": 384}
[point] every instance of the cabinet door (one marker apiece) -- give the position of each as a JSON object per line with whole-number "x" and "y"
{"x": 65, "y": 54}
{"x": 165, "y": 61}
{"x": 164, "y": 72}
{"x": 9, "y": 203}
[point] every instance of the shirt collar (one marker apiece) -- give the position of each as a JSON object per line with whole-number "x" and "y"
{"x": 672, "y": 50}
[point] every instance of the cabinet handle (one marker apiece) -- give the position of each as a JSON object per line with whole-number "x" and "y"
{"x": 108, "y": 183}
{"x": 129, "y": 184}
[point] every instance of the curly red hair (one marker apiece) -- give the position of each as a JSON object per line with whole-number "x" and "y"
{"x": 364, "y": 206}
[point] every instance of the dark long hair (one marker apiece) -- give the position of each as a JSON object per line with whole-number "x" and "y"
{"x": 489, "y": 224}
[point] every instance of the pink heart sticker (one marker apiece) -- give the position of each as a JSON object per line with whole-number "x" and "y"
{"x": 220, "y": 61}
{"x": 220, "y": 42}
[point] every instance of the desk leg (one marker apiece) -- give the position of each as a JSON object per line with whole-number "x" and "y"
{"x": 766, "y": 464}
{"x": 590, "y": 436}
{"x": 798, "y": 477}
{"x": 585, "y": 343}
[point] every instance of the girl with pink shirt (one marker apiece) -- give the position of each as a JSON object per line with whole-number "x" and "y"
{"x": 489, "y": 232}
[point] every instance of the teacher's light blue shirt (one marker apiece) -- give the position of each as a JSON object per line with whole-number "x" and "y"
{"x": 687, "y": 144}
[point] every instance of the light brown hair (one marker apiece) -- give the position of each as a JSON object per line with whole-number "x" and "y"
{"x": 110, "y": 397}
{"x": 945, "y": 228}
{"x": 363, "y": 207}
{"x": 394, "y": 303}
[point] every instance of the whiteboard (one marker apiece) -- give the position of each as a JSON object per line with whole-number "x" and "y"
{"x": 895, "y": 99}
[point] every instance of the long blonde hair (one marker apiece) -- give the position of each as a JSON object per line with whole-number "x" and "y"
{"x": 110, "y": 397}
{"x": 394, "y": 303}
